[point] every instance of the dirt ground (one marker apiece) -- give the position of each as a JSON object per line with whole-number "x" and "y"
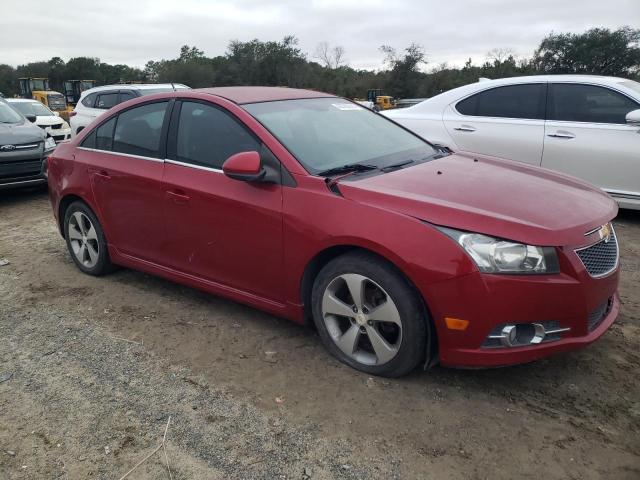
{"x": 98, "y": 365}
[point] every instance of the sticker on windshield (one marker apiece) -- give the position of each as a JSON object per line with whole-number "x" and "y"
{"x": 346, "y": 106}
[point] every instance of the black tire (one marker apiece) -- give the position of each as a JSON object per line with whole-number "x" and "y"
{"x": 103, "y": 263}
{"x": 414, "y": 317}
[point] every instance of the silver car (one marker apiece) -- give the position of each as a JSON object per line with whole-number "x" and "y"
{"x": 23, "y": 149}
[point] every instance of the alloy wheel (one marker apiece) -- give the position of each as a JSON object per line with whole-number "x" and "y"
{"x": 83, "y": 239}
{"x": 362, "y": 319}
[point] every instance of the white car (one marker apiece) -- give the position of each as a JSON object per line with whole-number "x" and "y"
{"x": 586, "y": 126}
{"x": 95, "y": 101}
{"x": 46, "y": 119}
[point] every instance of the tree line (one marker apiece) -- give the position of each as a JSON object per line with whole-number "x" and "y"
{"x": 406, "y": 73}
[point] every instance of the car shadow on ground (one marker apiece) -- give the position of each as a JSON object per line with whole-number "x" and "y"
{"x": 9, "y": 198}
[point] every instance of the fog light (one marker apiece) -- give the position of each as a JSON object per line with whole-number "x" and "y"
{"x": 524, "y": 334}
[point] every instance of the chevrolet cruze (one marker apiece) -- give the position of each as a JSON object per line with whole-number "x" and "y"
{"x": 316, "y": 209}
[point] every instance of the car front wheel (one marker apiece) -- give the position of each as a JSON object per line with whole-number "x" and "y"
{"x": 369, "y": 316}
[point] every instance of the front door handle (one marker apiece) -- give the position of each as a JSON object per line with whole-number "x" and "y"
{"x": 178, "y": 196}
{"x": 561, "y": 134}
{"x": 465, "y": 128}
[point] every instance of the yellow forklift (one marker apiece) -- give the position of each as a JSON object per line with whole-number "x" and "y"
{"x": 380, "y": 101}
{"x": 74, "y": 88}
{"x": 38, "y": 89}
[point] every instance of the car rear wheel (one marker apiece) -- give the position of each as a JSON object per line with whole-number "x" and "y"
{"x": 85, "y": 240}
{"x": 369, "y": 316}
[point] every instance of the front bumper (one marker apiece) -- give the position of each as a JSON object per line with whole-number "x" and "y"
{"x": 22, "y": 168}
{"x": 487, "y": 301}
{"x": 60, "y": 134}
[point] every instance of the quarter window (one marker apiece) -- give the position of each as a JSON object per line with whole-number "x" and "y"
{"x": 107, "y": 100}
{"x": 89, "y": 100}
{"x": 124, "y": 96}
{"x": 512, "y": 101}
{"x": 139, "y": 130}
{"x": 588, "y": 103}
{"x": 90, "y": 140}
{"x": 104, "y": 135}
{"x": 208, "y": 135}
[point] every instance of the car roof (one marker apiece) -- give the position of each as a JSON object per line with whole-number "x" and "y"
{"x": 242, "y": 95}
{"x": 134, "y": 86}
{"x": 445, "y": 98}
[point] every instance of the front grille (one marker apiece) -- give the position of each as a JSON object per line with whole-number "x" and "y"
{"x": 599, "y": 314}
{"x": 57, "y": 126}
{"x": 20, "y": 169}
{"x": 600, "y": 258}
{"x": 21, "y": 147}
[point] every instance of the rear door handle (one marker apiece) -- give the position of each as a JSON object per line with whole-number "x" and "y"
{"x": 465, "y": 128}
{"x": 178, "y": 196}
{"x": 561, "y": 134}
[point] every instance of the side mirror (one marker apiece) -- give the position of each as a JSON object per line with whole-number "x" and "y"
{"x": 31, "y": 118}
{"x": 244, "y": 166}
{"x": 633, "y": 118}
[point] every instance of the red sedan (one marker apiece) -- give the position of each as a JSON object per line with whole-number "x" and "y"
{"x": 314, "y": 208}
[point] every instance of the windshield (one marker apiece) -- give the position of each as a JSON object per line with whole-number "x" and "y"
{"x": 8, "y": 114}
{"x": 32, "y": 108}
{"x": 326, "y": 133}
{"x": 56, "y": 101}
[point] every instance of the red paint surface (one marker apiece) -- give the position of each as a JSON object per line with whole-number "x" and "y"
{"x": 252, "y": 242}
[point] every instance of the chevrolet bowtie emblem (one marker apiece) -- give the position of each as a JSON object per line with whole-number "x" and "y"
{"x": 605, "y": 233}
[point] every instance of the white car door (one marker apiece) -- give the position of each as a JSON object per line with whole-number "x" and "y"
{"x": 586, "y": 136}
{"x": 505, "y": 121}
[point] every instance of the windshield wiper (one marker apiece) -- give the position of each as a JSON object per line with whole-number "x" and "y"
{"x": 350, "y": 167}
{"x": 388, "y": 168}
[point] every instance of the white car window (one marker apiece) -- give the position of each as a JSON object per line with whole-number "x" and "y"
{"x": 511, "y": 101}
{"x": 588, "y": 103}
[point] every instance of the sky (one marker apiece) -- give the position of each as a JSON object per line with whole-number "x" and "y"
{"x": 133, "y": 32}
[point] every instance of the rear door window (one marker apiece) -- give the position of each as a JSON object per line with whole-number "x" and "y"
{"x": 208, "y": 135}
{"x": 139, "y": 130}
{"x": 525, "y": 101}
{"x": 107, "y": 100}
{"x": 588, "y": 103}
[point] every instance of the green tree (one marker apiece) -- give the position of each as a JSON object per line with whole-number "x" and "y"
{"x": 8, "y": 80}
{"x": 404, "y": 75}
{"x": 596, "y": 51}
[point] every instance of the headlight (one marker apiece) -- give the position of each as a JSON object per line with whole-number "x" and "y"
{"x": 494, "y": 255}
{"x": 49, "y": 143}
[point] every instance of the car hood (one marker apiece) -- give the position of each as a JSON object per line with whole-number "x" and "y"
{"x": 18, "y": 133}
{"x": 47, "y": 120}
{"x": 487, "y": 195}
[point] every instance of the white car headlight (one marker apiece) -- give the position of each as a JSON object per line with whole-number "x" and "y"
{"x": 49, "y": 143}
{"x": 494, "y": 255}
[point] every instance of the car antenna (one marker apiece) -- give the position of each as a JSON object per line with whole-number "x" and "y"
{"x": 174, "y": 88}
